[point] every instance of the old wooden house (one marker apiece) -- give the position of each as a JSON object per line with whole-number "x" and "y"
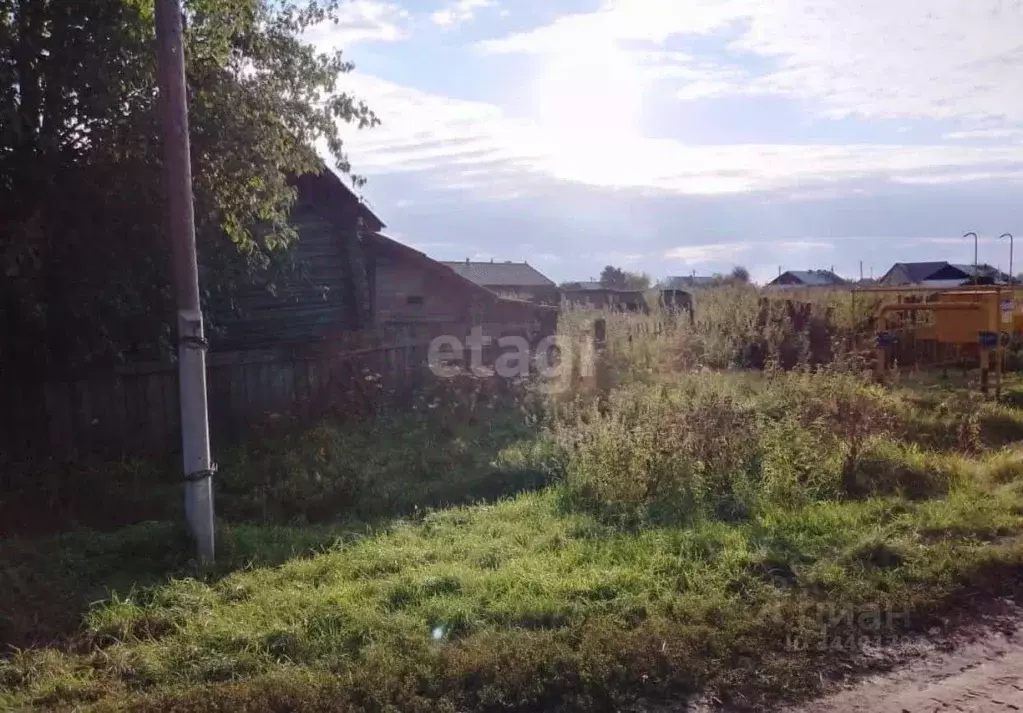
{"x": 348, "y": 278}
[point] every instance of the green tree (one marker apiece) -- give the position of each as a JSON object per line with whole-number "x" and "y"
{"x": 740, "y": 274}
{"x": 617, "y": 278}
{"x": 82, "y": 245}
{"x": 637, "y": 281}
{"x": 612, "y": 276}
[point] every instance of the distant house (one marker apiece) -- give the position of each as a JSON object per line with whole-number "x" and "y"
{"x": 685, "y": 282}
{"x": 806, "y": 278}
{"x": 593, "y": 294}
{"x": 514, "y": 280}
{"x": 940, "y": 274}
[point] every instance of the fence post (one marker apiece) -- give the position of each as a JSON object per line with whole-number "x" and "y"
{"x": 600, "y": 364}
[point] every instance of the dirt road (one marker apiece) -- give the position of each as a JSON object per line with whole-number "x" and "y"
{"x": 984, "y": 675}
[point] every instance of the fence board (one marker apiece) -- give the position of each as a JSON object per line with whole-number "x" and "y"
{"x": 134, "y": 409}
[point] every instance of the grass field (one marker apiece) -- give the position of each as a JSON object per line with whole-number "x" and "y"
{"x": 742, "y": 534}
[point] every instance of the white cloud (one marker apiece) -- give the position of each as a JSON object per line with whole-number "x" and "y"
{"x": 939, "y": 59}
{"x": 939, "y": 177}
{"x": 361, "y": 21}
{"x": 474, "y": 145}
{"x": 458, "y": 11}
{"x": 990, "y": 134}
{"x": 627, "y": 259}
{"x": 805, "y": 245}
{"x": 713, "y": 252}
{"x": 957, "y": 240}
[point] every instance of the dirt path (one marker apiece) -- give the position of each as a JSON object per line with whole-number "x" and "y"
{"x": 984, "y": 675}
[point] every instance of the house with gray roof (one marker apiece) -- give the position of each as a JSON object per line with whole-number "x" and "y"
{"x": 515, "y": 280}
{"x": 806, "y": 278}
{"x": 940, "y": 274}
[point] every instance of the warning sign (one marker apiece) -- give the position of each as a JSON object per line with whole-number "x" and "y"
{"x": 1008, "y": 307}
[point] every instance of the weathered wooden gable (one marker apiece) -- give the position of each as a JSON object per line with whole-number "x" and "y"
{"x": 326, "y": 294}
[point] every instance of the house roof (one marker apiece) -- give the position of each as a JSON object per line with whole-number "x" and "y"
{"x": 945, "y": 272}
{"x": 920, "y": 271}
{"x": 494, "y": 274}
{"x": 806, "y": 278}
{"x": 813, "y": 278}
{"x": 329, "y": 190}
{"x": 983, "y": 270}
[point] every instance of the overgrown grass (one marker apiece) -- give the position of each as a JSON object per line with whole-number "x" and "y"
{"x": 525, "y": 604}
{"x": 673, "y": 530}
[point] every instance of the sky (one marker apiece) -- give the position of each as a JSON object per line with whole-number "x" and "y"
{"x": 680, "y": 136}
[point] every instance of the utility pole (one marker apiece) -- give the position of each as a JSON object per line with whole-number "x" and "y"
{"x": 1009, "y": 236}
{"x": 976, "y": 260}
{"x": 861, "y": 271}
{"x": 195, "y": 434}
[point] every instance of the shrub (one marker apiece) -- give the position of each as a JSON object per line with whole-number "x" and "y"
{"x": 799, "y": 467}
{"x": 666, "y": 453}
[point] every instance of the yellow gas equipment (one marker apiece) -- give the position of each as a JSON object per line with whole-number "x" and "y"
{"x": 973, "y": 321}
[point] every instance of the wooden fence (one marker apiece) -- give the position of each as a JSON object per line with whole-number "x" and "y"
{"x": 134, "y": 409}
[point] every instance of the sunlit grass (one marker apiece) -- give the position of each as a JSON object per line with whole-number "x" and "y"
{"x": 528, "y": 574}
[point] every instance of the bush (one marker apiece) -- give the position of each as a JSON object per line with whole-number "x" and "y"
{"x": 666, "y": 454}
{"x": 798, "y": 466}
{"x": 719, "y": 445}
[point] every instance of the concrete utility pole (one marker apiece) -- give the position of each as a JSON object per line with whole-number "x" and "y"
{"x": 976, "y": 260}
{"x": 195, "y": 434}
{"x": 1012, "y": 279}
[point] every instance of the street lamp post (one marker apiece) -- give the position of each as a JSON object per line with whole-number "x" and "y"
{"x": 976, "y": 262}
{"x": 1009, "y": 236}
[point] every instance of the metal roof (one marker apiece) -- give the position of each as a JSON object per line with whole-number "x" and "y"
{"x": 920, "y": 271}
{"x": 983, "y": 270}
{"x": 496, "y": 274}
{"x": 944, "y": 272}
{"x": 808, "y": 278}
{"x": 816, "y": 278}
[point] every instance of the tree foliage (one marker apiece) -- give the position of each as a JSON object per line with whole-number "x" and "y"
{"x": 740, "y": 274}
{"x": 617, "y": 278}
{"x": 83, "y": 247}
